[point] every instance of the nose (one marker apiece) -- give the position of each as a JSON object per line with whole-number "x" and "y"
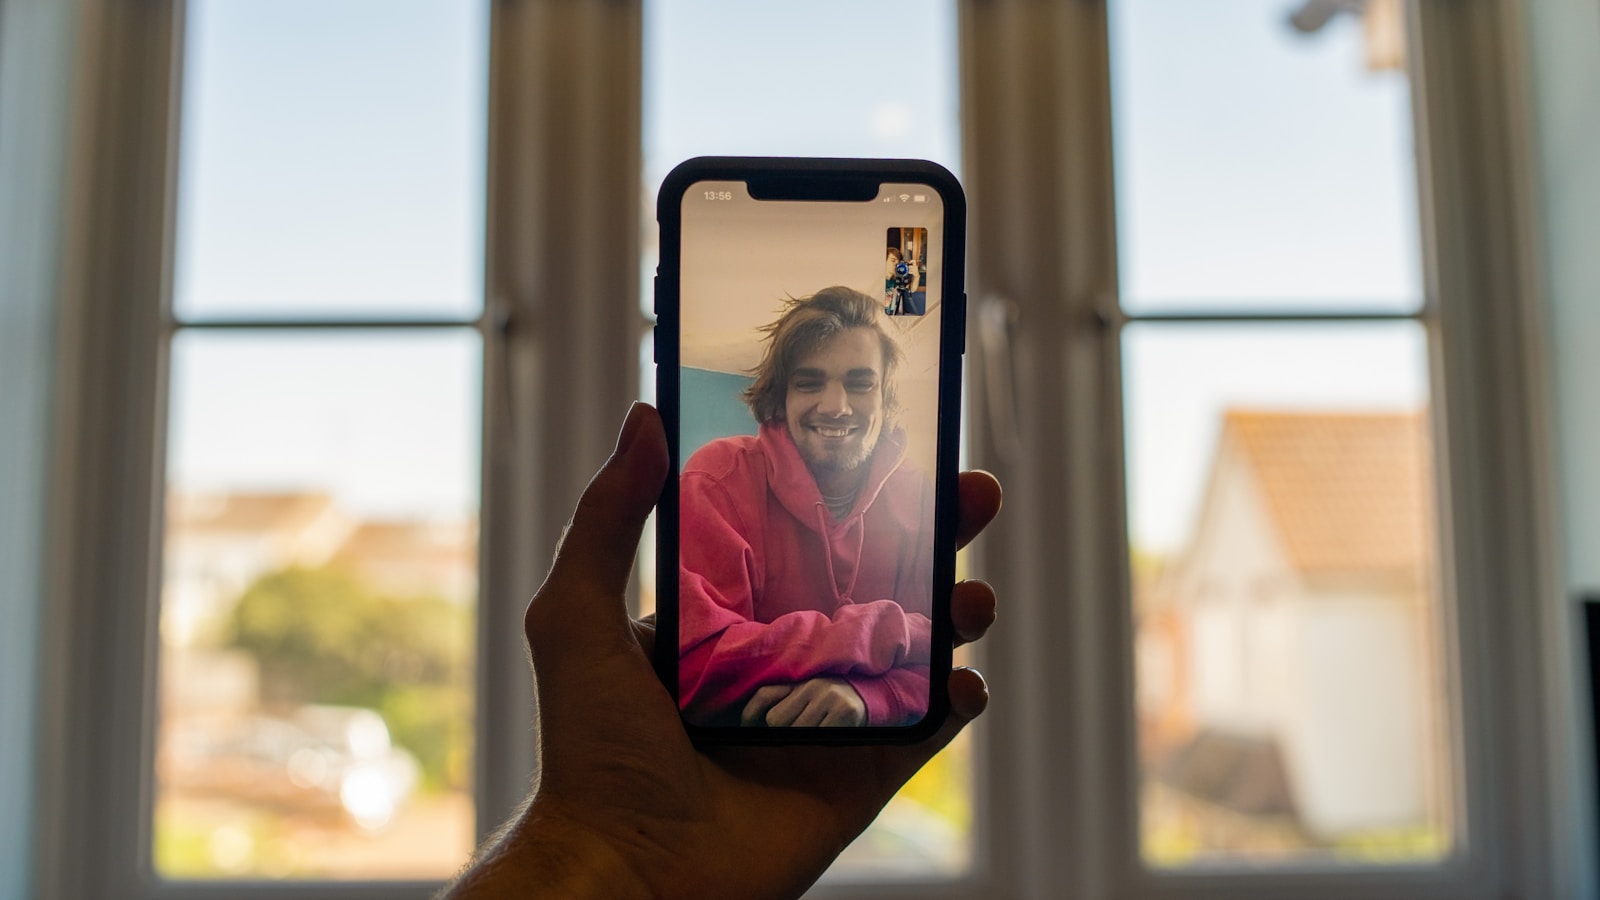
{"x": 835, "y": 402}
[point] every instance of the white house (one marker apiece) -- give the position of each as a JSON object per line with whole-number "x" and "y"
{"x": 1285, "y": 665}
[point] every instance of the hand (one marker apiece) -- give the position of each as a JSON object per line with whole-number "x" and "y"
{"x": 819, "y": 701}
{"x": 625, "y": 804}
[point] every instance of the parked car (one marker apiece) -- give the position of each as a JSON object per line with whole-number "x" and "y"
{"x": 317, "y": 760}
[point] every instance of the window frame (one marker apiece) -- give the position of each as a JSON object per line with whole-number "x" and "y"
{"x": 1052, "y": 808}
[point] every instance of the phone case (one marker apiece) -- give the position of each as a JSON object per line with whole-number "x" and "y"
{"x": 838, "y": 180}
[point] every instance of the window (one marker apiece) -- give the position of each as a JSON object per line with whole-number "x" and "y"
{"x": 1254, "y": 189}
{"x": 315, "y": 717}
{"x": 1091, "y": 284}
{"x": 297, "y": 664}
{"x": 1246, "y": 287}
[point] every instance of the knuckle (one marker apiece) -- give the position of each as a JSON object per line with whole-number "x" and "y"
{"x": 529, "y": 613}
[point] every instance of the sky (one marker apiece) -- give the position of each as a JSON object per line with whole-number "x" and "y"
{"x": 332, "y": 164}
{"x": 1257, "y": 166}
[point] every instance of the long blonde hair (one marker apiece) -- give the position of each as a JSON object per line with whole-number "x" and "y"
{"x": 806, "y": 324}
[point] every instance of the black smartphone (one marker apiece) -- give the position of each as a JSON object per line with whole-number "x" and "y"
{"x": 810, "y": 329}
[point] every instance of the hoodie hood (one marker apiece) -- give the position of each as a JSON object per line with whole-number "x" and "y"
{"x": 791, "y": 481}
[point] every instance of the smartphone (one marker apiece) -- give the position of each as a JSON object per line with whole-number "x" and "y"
{"x": 809, "y": 336}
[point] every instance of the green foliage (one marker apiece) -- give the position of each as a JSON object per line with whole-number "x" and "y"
{"x": 1418, "y": 843}
{"x": 435, "y": 723}
{"x": 183, "y": 850}
{"x": 322, "y": 636}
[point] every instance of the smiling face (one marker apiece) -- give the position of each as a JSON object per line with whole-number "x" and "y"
{"x": 834, "y": 403}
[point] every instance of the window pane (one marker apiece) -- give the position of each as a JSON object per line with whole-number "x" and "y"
{"x": 318, "y": 606}
{"x": 1290, "y": 682}
{"x": 332, "y": 158}
{"x": 732, "y": 78}
{"x": 1260, "y": 165}
{"x": 727, "y": 78}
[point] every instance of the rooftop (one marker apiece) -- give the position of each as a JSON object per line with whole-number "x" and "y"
{"x": 1349, "y": 492}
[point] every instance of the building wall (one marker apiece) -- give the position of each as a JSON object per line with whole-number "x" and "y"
{"x": 1355, "y": 735}
{"x": 1227, "y": 587}
{"x": 1333, "y": 675}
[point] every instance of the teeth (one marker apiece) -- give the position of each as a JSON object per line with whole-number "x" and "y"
{"x": 832, "y": 432}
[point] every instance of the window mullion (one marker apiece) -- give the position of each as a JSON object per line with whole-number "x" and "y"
{"x": 1230, "y": 317}
{"x": 1528, "y": 830}
{"x": 1041, "y": 263}
{"x": 291, "y": 324}
{"x": 99, "y": 634}
{"x": 562, "y": 277}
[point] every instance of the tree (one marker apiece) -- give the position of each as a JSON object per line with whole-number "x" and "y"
{"x": 323, "y": 636}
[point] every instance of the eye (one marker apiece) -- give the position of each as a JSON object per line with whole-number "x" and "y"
{"x": 806, "y": 385}
{"x": 860, "y": 385}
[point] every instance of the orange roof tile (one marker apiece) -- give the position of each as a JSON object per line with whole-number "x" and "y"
{"x": 245, "y": 512}
{"x": 1349, "y": 492}
{"x": 411, "y": 542}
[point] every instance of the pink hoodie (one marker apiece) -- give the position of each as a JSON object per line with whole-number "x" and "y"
{"x": 773, "y": 590}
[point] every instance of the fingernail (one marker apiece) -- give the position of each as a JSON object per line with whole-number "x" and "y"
{"x": 630, "y": 429}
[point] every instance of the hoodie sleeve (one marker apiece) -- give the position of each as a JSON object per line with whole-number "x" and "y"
{"x": 725, "y": 654}
{"x": 897, "y": 697}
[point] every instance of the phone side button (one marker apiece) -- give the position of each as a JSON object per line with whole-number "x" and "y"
{"x": 655, "y": 343}
{"x": 655, "y": 293}
{"x": 966, "y": 313}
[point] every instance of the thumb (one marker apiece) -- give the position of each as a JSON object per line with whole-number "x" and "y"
{"x": 597, "y": 549}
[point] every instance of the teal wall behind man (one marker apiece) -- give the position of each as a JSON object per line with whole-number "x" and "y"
{"x": 712, "y": 408}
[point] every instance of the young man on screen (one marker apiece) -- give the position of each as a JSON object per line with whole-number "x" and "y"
{"x": 806, "y": 554}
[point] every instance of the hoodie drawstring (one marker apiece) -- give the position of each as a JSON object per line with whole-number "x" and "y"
{"x": 827, "y": 554}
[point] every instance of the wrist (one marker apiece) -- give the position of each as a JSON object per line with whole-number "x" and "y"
{"x": 582, "y": 861}
{"x": 550, "y": 856}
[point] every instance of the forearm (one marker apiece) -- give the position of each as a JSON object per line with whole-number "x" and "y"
{"x": 865, "y": 639}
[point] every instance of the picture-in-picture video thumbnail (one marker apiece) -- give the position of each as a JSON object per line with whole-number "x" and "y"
{"x": 905, "y": 292}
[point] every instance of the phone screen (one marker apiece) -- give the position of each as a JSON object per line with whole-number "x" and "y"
{"x": 808, "y": 436}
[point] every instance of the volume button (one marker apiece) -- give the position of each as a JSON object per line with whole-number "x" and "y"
{"x": 966, "y": 314}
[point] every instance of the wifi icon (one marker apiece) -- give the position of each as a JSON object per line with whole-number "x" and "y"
{"x": 904, "y": 197}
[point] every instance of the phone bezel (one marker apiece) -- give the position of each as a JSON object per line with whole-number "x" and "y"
{"x": 835, "y": 180}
